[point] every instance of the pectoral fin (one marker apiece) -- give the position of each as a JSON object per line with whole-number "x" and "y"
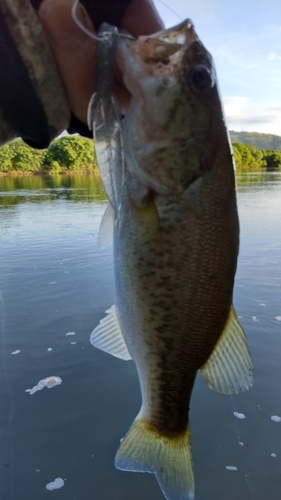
{"x": 108, "y": 337}
{"x": 229, "y": 369}
{"x": 105, "y": 236}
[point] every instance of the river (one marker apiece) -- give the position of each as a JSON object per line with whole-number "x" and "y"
{"x": 54, "y": 288}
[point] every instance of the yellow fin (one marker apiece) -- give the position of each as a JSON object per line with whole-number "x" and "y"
{"x": 229, "y": 369}
{"x": 108, "y": 337}
{"x": 144, "y": 450}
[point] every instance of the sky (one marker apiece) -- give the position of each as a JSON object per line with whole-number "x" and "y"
{"x": 244, "y": 38}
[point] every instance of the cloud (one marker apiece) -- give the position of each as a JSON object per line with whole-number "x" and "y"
{"x": 272, "y": 56}
{"x": 273, "y": 30}
{"x": 243, "y": 113}
{"x": 234, "y": 106}
{"x": 252, "y": 119}
{"x": 276, "y": 108}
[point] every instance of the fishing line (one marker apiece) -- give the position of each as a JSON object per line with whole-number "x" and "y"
{"x": 105, "y": 34}
{"x": 241, "y": 445}
{"x": 172, "y": 10}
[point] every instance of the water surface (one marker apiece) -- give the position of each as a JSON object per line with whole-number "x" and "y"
{"x": 54, "y": 282}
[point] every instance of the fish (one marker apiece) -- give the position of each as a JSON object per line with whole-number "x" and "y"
{"x": 169, "y": 174}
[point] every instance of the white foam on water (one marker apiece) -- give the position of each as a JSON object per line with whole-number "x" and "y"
{"x": 239, "y": 415}
{"x": 73, "y": 343}
{"x": 278, "y": 318}
{"x": 49, "y": 349}
{"x": 254, "y": 318}
{"x": 16, "y": 352}
{"x": 241, "y": 443}
{"x": 231, "y": 467}
{"x": 52, "y": 282}
{"x": 48, "y": 382}
{"x": 275, "y": 418}
{"x": 262, "y": 305}
{"x": 70, "y": 333}
{"x": 273, "y": 455}
{"x": 56, "y": 484}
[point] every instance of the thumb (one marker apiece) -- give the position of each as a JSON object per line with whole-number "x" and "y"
{"x": 73, "y": 50}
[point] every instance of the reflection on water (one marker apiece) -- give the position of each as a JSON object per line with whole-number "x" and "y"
{"x": 36, "y": 189}
{"x": 250, "y": 180}
{"x": 54, "y": 288}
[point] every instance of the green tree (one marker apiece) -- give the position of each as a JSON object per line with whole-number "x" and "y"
{"x": 71, "y": 153}
{"x": 247, "y": 157}
{"x": 6, "y": 155}
{"x": 273, "y": 160}
{"x": 65, "y": 154}
{"x": 20, "y": 157}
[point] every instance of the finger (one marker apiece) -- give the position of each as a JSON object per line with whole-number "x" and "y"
{"x": 73, "y": 50}
{"x": 141, "y": 18}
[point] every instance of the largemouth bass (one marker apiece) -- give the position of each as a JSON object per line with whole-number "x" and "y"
{"x": 176, "y": 237}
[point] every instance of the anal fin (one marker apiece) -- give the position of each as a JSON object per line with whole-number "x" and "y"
{"x": 229, "y": 369}
{"x": 108, "y": 337}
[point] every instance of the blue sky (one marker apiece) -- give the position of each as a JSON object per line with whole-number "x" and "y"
{"x": 244, "y": 38}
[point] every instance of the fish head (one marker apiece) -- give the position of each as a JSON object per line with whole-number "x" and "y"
{"x": 170, "y": 72}
{"x": 175, "y": 110}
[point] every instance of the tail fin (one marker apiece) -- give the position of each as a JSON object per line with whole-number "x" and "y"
{"x": 144, "y": 450}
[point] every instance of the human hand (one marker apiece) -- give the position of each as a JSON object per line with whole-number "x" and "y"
{"x": 74, "y": 51}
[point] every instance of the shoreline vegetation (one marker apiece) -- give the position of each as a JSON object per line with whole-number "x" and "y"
{"x": 75, "y": 154}
{"x": 65, "y": 155}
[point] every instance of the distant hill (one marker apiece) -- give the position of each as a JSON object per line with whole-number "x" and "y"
{"x": 261, "y": 141}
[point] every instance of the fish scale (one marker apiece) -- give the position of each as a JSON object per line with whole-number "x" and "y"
{"x": 176, "y": 236}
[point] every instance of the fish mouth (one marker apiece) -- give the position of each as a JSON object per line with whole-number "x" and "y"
{"x": 167, "y": 51}
{"x": 181, "y": 34}
{"x": 168, "y": 45}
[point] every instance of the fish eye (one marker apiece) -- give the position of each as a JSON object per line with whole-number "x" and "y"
{"x": 200, "y": 78}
